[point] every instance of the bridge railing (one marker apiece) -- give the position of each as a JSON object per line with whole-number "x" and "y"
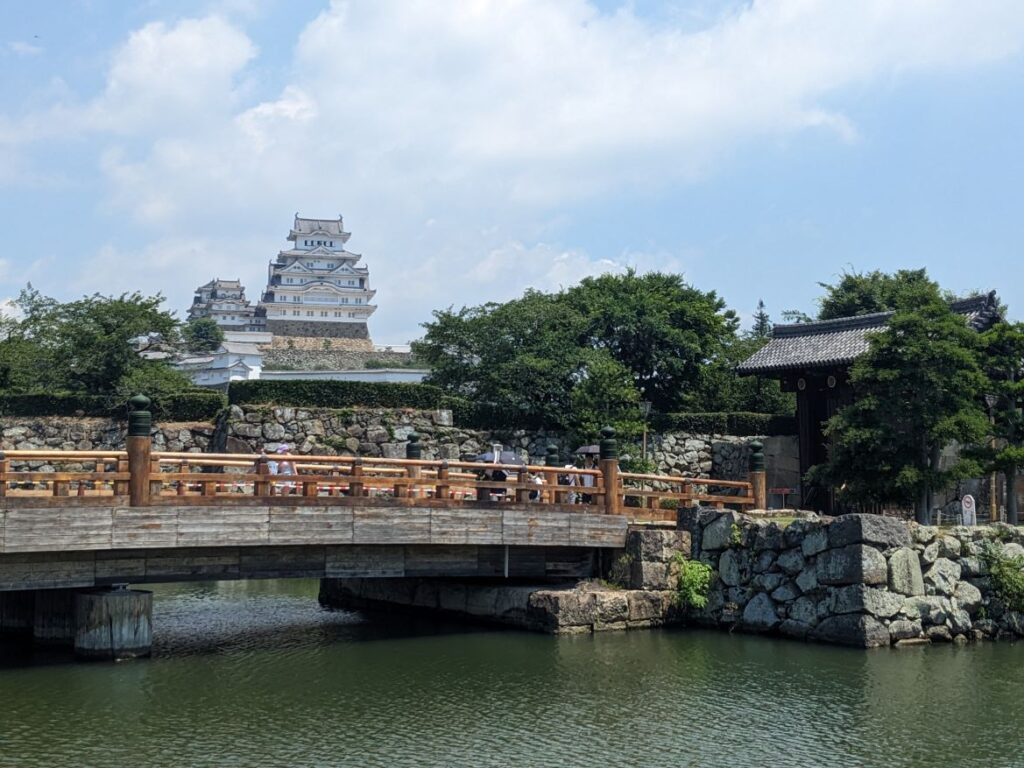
{"x": 42, "y": 473}
{"x": 139, "y": 476}
{"x": 192, "y": 475}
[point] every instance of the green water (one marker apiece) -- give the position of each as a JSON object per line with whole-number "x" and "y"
{"x": 256, "y": 674}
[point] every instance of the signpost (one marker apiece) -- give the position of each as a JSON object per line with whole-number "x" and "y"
{"x": 968, "y": 510}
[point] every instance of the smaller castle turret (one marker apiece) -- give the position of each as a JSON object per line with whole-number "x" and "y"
{"x": 224, "y": 302}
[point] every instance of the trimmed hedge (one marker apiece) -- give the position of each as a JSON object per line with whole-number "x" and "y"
{"x": 738, "y": 423}
{"x": 338, "y": 394}
{"x": 185, "y": 406}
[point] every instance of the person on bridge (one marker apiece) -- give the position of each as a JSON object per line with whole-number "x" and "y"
{"x": 283, "y": 468}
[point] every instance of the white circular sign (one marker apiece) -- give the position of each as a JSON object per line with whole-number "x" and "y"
{"x": 967, "y": 505}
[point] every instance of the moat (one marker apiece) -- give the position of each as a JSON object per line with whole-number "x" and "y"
{"x": 257, "y": 673}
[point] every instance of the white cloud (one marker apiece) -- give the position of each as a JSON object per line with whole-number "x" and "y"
{"x": 485, "y": 118}
{"x": 21, "y": 48}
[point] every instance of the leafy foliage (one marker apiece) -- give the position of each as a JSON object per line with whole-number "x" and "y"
{"x": 917, "y": 389}
{"x": 762, "y": 325}
{"x": 739, "y": 423}
{"x": 202, "y": 334}
{"x": 1003, "y": 361}
{"x": 859, "y": 293}
{"x": 337, "y": 394}
{"x": 202, "y": 405}
{"x": 1006, "y": 574}
{"x": 584, "y": 357}
{"x": 693, "y": 583}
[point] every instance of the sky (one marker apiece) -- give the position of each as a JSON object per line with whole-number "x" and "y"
{"x": 477, "y": 148}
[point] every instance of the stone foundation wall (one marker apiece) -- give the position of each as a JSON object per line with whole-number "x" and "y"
{"x": 90, "y": 434}
{"x": 326, "y": 358}
{"x": 862, "y": 580}
{"x": 318, "y": 330}
{"x": 382, "y": 432}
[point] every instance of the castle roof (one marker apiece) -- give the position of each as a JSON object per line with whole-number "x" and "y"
{"x": 829, "y": 343}
{"x": 303, "y": 227}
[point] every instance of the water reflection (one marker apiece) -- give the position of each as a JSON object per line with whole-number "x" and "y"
{"x": 257, "y": 674}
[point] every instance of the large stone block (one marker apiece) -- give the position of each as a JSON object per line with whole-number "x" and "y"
{"x": 734, "y": 567}
{"x": 815, "y": 540}
{"x": 792, "y": 561}
{"x": 942, "y": 577}
{"x": 853, "y": 629}
{"x": 857, "y": 598}
{"x": 852, "y": 564}
{"x": 648, "y": 606}
{"x": 881, "y": 531}
{"x": 719, "y": 533}
{"x": 760, "y": 614}
{"x": 905, "y": 572}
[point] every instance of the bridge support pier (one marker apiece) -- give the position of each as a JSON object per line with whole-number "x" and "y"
{"x": 17, "y": 610}
{"x": 53, "y": 621}
{"x": 113, "y": 624}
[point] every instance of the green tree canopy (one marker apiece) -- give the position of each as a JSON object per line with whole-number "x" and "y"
{"x": 1003, "y": 361}
{"x": 656, "y": 325}
{"x": 90, "y": 345}
{"x": 591, "y": 353}
{"x": 862, "y": 293}
{"x": 917, "y": 389}
{"x": 202, "y": 334}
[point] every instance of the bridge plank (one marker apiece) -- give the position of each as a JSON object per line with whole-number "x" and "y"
{"x": 466, "y": 526}
{"x": 357, "y": 561}
{"x": 391, "y": 525}
{"x": 540, "y": 527}
{"x": 310, "y": 525}
{"x": 242, "y": 526}
{"x": 596, "y": 530}
{"x": 44, "y": 530}
{"x": 206, "y": 563}
{"x": 428, "y": 561}
{"x": 145, "y": 527}
{"x": 59, "y": 569}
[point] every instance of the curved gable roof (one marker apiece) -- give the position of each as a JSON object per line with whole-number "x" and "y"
{"x": 828, "y": 343}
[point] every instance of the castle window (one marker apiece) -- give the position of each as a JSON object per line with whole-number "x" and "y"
{"x": 309, "y": 313}
{"x": 351, "y": 314}
{"x": 323, "y": 314}
{"x": 295, "y": 312}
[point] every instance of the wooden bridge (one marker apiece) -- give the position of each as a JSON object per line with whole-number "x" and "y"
{"x": 88, "y": 518}
{"x": 74, "y": 520}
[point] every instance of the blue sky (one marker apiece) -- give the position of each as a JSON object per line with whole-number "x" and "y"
{"x": 479, "y": 148}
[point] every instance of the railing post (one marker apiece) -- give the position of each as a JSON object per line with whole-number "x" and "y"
{"x": 413, "y": 450}
{"x": 610, "y": 470}
{"x": 5, "y": 467}
{"x": 139, "y": 446}
{"x": 758, "y": 477}
{"x": 261, "y": 487}
{"x": 355, "y": 486}
{"x": 551, "y": 475}
{"x": 441, "y": 492}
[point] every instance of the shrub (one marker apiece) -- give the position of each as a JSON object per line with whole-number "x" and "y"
{"x": 693, "y": 583}
{"x": 201, "y": 405}
{"x": 338, "y": 394}
{"x": 1007, "y": 575}
{"x": 719, "y": 423}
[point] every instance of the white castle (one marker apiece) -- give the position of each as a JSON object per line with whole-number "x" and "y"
{"x": 317, "y": 288}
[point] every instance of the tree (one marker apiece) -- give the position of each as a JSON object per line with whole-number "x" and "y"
{"x": 762, "y": 325}
{"x": 202, "y": 334}
{"x": 521, "y": 357}
{"x": 1003, "y": 361}
{"x": 557, "y": 359}
{"x": 656, "y": 325}
{"x": 917, "y": 389}
{"x": 859, "y": 293}
{"x": 90, "y": 345}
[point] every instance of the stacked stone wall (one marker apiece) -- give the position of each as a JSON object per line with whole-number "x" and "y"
{"x": 383, "y": 432}
{"x": 61, "y": 433}
{"x": 863, "y": 580}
